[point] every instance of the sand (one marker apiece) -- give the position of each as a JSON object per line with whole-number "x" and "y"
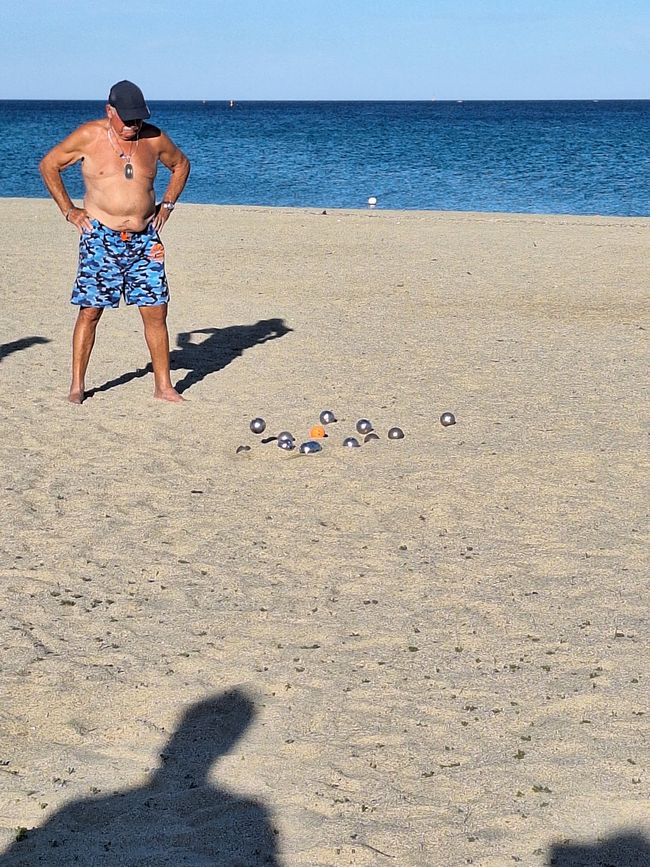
{"x": 425, "y": 652}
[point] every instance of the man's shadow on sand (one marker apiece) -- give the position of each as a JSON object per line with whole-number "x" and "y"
{"x": 221, "y": 346}
{"x": 18, "y": 345}
{"x": 178, "y": 818}
{"x": 622, "y": 850}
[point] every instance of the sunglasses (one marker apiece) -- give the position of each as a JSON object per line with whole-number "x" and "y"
{"x": 130, "y": 123}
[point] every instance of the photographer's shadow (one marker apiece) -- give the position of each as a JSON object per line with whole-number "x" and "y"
{"x": 211, "y": 355}
{"x": 18, "y": 345}
{"x": 178, "y": 818}
{"x": 628, "y": 849}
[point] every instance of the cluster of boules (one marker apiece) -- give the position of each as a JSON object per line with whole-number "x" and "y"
{"x": 365, "y": 426}
{"x": 317, "y": 432}
{"x": 287, "y": 442}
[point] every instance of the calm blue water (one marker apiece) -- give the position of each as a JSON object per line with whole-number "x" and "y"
{"x": 541, "y": 157}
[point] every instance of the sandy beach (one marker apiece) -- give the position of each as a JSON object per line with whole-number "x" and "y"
{"x": 429, "y": 652}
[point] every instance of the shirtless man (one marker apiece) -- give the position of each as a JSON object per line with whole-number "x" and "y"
{"x": 120, "y": 252}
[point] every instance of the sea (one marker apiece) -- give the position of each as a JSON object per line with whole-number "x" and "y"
{"x": 563, "y": 157}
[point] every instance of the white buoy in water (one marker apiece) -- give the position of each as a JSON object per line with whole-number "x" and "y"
{"x": 372, "y": 201}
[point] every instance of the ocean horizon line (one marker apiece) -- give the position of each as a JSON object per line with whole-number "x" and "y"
{"x": 422, "y": 101}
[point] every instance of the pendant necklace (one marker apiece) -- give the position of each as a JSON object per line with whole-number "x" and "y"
{"x": 126, "y": 158}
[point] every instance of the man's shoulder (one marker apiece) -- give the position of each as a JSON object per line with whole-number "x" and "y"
{"x": 94, "y": 127}
{"x": 89, "y": 131}
{"x": 149, "y": 130}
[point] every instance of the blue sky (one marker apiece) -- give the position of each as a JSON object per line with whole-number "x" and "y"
{"x": 327, "y": 49}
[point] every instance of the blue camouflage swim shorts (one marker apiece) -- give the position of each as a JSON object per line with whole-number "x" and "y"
{"x": 114, "y": 263}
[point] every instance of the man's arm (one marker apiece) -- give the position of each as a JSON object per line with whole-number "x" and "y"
{"x": 63, "y": 155}
{"x": 179, "y": 166}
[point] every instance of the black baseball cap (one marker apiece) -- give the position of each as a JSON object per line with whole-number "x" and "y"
{"x": 127, "y": 99}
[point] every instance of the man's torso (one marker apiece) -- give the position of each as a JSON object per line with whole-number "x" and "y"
{"x": 117, "y": 201}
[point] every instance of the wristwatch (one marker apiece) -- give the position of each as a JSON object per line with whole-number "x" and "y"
{"x": 168, "y": 206}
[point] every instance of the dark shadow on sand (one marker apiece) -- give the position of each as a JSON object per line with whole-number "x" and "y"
{"x": 623, "y": 850}
{"x": 178, "y": 818}
{"x": 18, "y": 345}
{"x": 220, "y": 347}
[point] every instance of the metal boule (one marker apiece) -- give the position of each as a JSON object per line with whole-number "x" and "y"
{"x": 287, "y": 445}
{"x": 370, "y": 437}
{"x": 351, "y": 443}
{"x": 310, "y": 447}
{"x": 240, "y": 449}
{"x": 364, "y": 426}
{"x": 284, "y": 436}
{"x": 258, "y": 425}
{"x": 447, "y": 419}
{"x": 327, "y": 417}
{"x": 396, "y": 433}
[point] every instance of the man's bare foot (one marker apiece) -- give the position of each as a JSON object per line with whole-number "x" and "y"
{"x": 76, "y": 396}
{"x": 169, "y": 394}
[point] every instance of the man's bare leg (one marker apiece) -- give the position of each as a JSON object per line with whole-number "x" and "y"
{"x": 83, "y": 340}
{"x": 157, "y": 337}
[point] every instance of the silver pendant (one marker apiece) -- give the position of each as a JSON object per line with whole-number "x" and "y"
{"x": 128, "y": 172}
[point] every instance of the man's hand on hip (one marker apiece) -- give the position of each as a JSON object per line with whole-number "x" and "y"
{"x": 79, "y": 219}
{"x": 162, "y": 215}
